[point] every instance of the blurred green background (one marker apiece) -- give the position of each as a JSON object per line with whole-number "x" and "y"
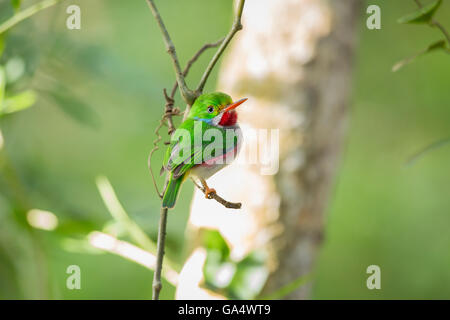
{"x": 100, "y": 98}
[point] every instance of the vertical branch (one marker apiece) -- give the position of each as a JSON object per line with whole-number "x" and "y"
{"x": 237, "y": 25}
{"x": 186, "y": 93}
{"x": 157, "y": 284}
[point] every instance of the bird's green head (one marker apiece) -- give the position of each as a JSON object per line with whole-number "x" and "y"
{"x": 215, "y": 108}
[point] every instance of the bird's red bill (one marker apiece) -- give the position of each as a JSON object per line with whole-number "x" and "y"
{"x": 234, "y": 105}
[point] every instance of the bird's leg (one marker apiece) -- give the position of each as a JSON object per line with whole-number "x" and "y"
{"x": 208, "y": 190}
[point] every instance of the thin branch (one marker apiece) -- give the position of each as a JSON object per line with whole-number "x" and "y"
{"x": 436, "y": 24}
{"x": 157, "y": 284}
{"x": 222, "y": 201}
{"x": 193, "y": 60}
{"x": 427, "y": 149}
{"x": 237, "y": 25}
{"x": 26, "y": 13}
{"x": 149, "y": 159}
{"x": 117, "y": 211}
{"x": 187, "y": 94}
{"x": 169, "y": 111}
{"x": 443, "y": 30}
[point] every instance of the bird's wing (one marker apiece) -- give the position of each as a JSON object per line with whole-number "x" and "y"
{"x": 191, "y": 154}
{"x": 182, "y": 154}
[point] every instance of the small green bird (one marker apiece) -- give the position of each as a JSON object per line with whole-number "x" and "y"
{"x": 207, "y": 141}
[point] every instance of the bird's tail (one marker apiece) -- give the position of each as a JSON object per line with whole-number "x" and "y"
{"x": 171, "y": 193}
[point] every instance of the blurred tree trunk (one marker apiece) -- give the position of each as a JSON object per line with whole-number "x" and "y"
{"x": 293, "y": 60}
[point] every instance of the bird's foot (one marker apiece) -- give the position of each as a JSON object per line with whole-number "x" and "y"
{"x": 209, "y": 192}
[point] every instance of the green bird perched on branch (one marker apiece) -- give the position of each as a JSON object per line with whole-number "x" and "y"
{"x": 207, "y": 141}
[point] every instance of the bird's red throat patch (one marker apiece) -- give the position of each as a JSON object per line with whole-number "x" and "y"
{"x": 228, "y": 119}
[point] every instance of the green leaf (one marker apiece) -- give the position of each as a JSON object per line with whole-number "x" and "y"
{"x": 441, "y": 44}
{"x": 217, "y": 273}
{"x": 213, "y": 240}
{"x": 438, "y": 45}
{"x": 16, "y": 4}
{"x": 423, "y": 15}
{"x": 218, "y": 269}
{"x": 19, "y": 102}
{"x": 250, "y": 276}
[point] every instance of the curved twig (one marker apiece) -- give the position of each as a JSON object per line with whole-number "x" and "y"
{"x": 193, "y": 60}
{"x": 219, "y": 199}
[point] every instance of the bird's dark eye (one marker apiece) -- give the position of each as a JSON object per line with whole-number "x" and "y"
{"x": 210, "y": 109}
